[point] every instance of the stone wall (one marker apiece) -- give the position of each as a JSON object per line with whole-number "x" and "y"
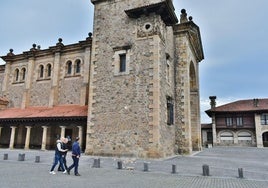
{"x": 36, "y": 91}
{"x": 129, "y": 113}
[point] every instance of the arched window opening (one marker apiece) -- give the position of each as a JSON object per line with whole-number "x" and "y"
{"x": 69, "y": 67}
{"x": 265, "y": 139}
{"x": 78, "y": 66}
{"x": 23, "y": 74}
{"x": 193, "y": 84}
{"x": 17, "y": 75}
{"x": 49, "y": 70}
{"x": 41, "y": 74}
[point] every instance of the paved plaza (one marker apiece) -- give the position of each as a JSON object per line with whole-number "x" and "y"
{"x": 223, "y": 165}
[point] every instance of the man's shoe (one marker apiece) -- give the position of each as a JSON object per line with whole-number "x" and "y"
{"x": 52, "y": 172}
{"x": 77, "y": 174}
{"x": 64, "y": 172}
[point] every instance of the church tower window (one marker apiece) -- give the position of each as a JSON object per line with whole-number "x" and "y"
{"x": 121, "y": 60}
{"x": 122, "y": 64}
{"x": 170, "y": 111}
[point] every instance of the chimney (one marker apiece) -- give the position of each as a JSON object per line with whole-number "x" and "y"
{"x": 212, "y": 101}
{"x": 255, "y": 102}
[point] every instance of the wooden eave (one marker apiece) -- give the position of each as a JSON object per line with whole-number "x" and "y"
{"x": 43, "y": 119}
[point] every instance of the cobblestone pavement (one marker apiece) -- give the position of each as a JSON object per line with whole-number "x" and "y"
{"x": 223, "y": 165}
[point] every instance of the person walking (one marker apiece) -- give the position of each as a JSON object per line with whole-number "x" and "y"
{"x": 76, "y": 152}
{"x": 63, "y": 154}
{"x": 58, "y": 156}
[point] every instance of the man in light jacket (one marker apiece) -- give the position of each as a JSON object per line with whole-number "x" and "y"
{"x": 58, "y": 156}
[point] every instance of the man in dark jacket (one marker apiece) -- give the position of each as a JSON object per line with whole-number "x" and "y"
{"x": 76, "y": 152}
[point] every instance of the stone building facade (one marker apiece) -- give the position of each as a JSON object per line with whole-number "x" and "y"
{"x": 137, "y": 76}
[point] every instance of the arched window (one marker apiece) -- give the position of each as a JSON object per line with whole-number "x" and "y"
{"x": 23, "y": 72}
{"x": 69, "y": 67}
{"x": 48, "y": 70}
{"x": 78, "y": 66}
{"x": 41, "y": 69}
{"x": 17, "y": 75}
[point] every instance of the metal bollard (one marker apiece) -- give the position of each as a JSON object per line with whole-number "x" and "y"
{"x": 240, "y": 173}
{"x": 174, "y": 169}
{"x": 5, "y": 156}
{"x": 37, "y": 159}
{"x": 146, "y": 167}
{"x": 119, "y": 165}
{"x": 96, "y": 163}
{"x": 205, "y": 170}
{"x": 21, "y": 157}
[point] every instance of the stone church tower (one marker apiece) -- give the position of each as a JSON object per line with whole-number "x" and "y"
{"x": 144, "y": 80}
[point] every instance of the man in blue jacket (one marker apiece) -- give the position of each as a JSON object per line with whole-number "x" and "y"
{"x": 76, "y": 152}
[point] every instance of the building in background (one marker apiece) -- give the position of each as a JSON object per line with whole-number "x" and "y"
{"x": 240, "y": 123}
{"x": 130, "y": 89}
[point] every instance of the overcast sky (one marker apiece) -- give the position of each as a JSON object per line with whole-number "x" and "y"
{"x": 234, "y": 37}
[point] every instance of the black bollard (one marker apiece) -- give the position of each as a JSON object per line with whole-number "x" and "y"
{"x": 37, "y": 159}
{"x": 5, "y": 156}
{"x": 174, "y": 169}
{"x": 205, "y": 170}
{"x": 240, "y": 173}
{"x": 119, "y": 165}
{"x": 146, "y": 167}
{"x": 21, "y": 157}
{"x": 96, "y": 163}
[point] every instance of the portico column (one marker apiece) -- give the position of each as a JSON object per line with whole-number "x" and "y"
{"x": 214, "y": 131}
{"x": 27, "y": 140}
{"x": 12, "y": 137}
{"x": 44, "y": 138}
{"x": 80, "y": 135}
{"x": 0, "y": 131}
{"x": 62, "y": 133}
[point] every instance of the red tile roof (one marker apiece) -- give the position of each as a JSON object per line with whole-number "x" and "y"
{"x": 242, "y": 106}
{"x": 44, "y": 112}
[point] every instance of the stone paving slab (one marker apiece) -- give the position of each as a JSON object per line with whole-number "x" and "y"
{"x": 223, "y": 164}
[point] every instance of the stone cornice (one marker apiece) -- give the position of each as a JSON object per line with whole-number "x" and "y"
{"x": 59, "y": 48}
{"x": 193, "y": 33}
{"x": 165, "y": 9}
